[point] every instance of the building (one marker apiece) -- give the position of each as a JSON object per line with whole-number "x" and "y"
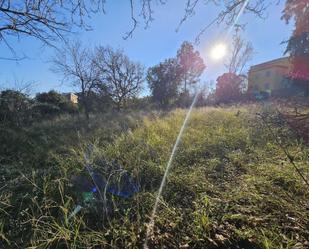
{"x": 72, "y": 97}
{"x": 269, "y": 77}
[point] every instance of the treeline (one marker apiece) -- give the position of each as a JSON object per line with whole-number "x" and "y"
{"x": 106, "y": 73}
{"x": 106, "y": 79}
{"x": 18, "y": 109}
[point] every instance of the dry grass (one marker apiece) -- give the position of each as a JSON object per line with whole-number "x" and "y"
{"x": 231, "y": 185}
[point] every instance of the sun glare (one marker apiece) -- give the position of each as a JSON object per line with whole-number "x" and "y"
{"x": 218, "y": 51}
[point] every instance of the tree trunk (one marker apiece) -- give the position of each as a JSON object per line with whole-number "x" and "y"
{"x": 85, "y": 106}
{"x": 86, "y": 112}
{"x": 118, "y": 106}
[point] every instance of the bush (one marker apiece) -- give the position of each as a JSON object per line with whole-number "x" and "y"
{"x": 51, "y": 104}
{"x": 15, "y": 108}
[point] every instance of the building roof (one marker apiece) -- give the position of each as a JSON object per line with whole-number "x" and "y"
{"x": 280, "y": 62}
{"x": 69, "y": 93}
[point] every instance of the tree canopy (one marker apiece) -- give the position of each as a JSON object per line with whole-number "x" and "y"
{"x": 122, "y": 77}
{"x": 14, "y": 108}
{"x": 163, "y": 80}
{"x": 240, "y": 54}
{"x": 229, "y": 88}
{"x": 298, "y": 44}
{"x": 191, "y": 64}
{"x": 170, "y": 80}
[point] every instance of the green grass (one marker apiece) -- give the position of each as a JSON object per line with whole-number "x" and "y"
{"x": 230, "y": 185}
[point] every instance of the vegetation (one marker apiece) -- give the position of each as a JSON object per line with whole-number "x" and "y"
{"x": 231, "y": 185}
{"x": 229, "y": 88}
{"x": 50, "y": 21}
{"x": 163, "y": 82}
{"x": 239, "y": 178}
{"x": 297, "y": 45}
{"x": 120, "y": 77}
{"x": 173, "y": 81}
{"x": 52, "y": 103}
{"x": 191, "y": 65}
{"x": 14, "y": 108}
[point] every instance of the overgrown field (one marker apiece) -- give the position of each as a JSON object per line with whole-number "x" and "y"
{"x": 231, "y": 185}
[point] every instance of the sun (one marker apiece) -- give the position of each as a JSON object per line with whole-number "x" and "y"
{"x": 218, "y": 51}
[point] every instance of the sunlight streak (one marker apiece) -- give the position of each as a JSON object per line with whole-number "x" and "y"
{"x": 150, "y": 225}
{"x": 241, "y": 11}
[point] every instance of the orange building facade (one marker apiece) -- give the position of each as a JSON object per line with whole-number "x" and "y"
{"x": 269, "y": 76}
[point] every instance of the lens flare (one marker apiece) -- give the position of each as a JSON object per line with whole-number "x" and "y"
{"x": 218, "y": 51}
{"x": 151, "y": 223}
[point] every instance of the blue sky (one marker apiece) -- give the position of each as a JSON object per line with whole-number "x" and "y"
{"x": 148, "y": 46}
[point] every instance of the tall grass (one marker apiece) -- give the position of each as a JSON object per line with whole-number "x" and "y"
{"x": 230, "y": 184}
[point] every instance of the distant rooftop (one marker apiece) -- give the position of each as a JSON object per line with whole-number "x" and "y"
{"x": 280, "y": 62}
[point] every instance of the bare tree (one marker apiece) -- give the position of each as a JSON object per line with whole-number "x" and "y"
{"x": 231, "y": 85}
{"x": 122, "y": 77}
{"x": 75, "y": 63}
{"x": 50, "y": 20}
{"x": 25, "y": 87}
{"x": 241, "y": 53}
{"x": 229, "y": 13}
{"x": 19, "y": 85}
{"x": 45, "y": 20}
